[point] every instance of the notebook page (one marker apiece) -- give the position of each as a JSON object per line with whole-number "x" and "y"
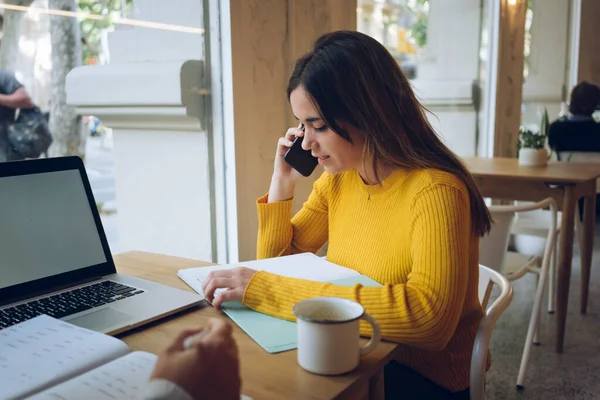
{"x": 303, "y": 266}
{"x": 44, "y": 351}
{"x": 123, "y": 378}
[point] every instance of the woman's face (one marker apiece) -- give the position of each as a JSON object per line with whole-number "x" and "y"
{"x": 335, "y": 154}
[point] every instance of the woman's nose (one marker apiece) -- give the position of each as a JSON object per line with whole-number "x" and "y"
{"x": 308, "y": 142}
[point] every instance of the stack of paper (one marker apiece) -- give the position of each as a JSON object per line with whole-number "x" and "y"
{"x": 274, "y": 334}
{"x": 303, "y": 266}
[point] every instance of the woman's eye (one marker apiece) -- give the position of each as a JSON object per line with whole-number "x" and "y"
{"x": 303, "y": 128}
{"x": 321, "y": 128}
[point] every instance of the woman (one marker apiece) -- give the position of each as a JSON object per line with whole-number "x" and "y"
{"x": 394, "y": 204}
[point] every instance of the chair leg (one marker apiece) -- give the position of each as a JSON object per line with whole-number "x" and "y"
{"x": 533, "y": 327}
{"x": 536, "y": 337}
{"x": 552, "y": 280}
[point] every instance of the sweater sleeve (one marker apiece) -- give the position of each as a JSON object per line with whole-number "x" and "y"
{"x": 423, "y": 312}
{"x": 162, "y": 389}
{"x": 307, "y": 231}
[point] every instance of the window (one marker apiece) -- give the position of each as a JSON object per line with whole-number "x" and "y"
{"x": 134, "y": 74}
{"x": 439, "y": 45}
{"x": 401, "y": 26}
{"x": 545, "y": 69}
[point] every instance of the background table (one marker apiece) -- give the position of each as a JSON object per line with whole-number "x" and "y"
{"x": 504, "y": 178}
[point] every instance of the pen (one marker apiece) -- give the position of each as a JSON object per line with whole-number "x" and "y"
{"x": 189, "y": 341}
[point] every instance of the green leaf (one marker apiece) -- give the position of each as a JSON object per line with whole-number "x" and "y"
{"x": 91, "y": 29}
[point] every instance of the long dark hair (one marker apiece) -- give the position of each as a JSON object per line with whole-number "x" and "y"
{"x": 353, "y": 79}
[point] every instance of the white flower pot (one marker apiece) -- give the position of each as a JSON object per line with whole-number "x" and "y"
{"x": 533, "y": 157}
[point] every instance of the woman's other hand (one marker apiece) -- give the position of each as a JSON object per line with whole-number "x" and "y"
{"x": 234, "y": 280}
{"x": 282, "y": 170}
{"x": 283, "y": 182}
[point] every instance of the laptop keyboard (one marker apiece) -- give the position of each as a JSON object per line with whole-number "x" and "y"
{"x": 68, "y": 303}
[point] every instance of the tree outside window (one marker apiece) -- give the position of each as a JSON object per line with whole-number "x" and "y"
{"x": 400, "y": 25}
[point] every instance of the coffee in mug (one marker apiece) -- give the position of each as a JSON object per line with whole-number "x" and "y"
{"x": 329, "y": 333}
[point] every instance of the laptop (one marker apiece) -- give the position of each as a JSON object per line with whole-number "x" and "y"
{"x": 55, "y": 259}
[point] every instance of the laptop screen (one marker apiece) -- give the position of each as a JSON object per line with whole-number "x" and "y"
{"x": 46, "y": 227}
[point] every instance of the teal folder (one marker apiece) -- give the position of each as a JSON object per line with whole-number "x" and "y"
{"x": 273, "y": 334}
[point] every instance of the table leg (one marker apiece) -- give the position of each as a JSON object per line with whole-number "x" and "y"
{"x": 376, "y": 387}
{"x": 586, "y": 248}
{"x": 565, "y": 256}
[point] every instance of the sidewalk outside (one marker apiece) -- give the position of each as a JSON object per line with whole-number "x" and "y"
{"x": 100, "y": 166}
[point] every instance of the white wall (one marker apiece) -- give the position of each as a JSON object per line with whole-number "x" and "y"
{"x": 162, "y": 192}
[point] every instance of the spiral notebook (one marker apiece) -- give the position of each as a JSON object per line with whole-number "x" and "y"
{"x": 275, "y": 335}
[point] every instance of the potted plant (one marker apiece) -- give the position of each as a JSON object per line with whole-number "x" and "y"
{"x": 532, "y": 144}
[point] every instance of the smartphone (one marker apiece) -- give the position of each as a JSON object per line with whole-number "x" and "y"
{"x": 299, "y": 159}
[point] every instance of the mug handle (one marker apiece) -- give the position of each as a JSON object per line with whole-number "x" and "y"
{"x": 375, "y": 339}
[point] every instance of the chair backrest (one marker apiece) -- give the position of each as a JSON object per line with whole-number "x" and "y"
{"x": 579, "y": 156}
{"x": 493, "y": 246}
{"x": 487, "y": 278}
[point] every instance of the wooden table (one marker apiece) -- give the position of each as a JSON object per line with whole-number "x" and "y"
{"x": 504, "y": 178}
{"x": 264, "y": 375}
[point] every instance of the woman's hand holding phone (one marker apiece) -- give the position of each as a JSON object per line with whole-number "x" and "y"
{"x": 284, "y": 177}
{"x": 282, "y": 169}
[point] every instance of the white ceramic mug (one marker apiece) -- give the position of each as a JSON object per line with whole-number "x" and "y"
{"x": 328, "y": 334}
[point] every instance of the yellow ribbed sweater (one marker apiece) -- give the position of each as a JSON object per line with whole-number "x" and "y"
{"x": 413, "y": 235}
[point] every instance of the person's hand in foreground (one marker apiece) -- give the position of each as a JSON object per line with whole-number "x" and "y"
{"x": 209, "y": 369}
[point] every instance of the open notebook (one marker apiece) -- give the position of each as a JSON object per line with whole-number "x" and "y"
{"x": 303, "y": 266}
{"x": 275, "y": 335}
{"x": 46, "y": 358}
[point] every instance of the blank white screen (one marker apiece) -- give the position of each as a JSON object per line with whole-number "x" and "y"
{"x": 46, "y": 227}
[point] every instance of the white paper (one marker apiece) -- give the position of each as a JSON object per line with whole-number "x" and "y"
{"x": 44, "y": 351}
{"x": 304, "y": 266}
{"x": 122, "y": 378}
